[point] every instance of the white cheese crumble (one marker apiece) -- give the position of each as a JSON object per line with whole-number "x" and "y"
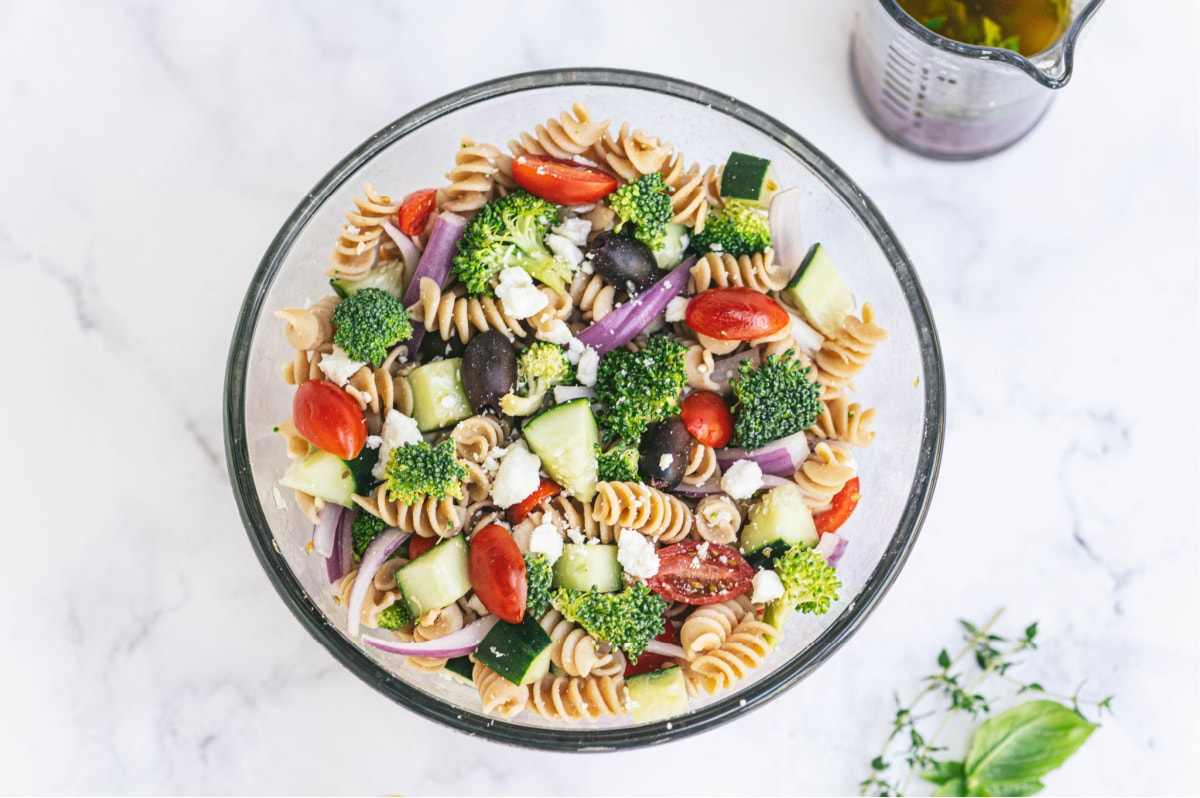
{"x": 398, "y": 429}
{"x": 702, "y": 551}
{"x": 636, "y": 554}
{"x": 574, "y": 230}
{"x": 742, "y": 479}
{"x": 517, "y": 476}
{"x": 564, "y": 250}
{"x": 491, "y": 462}
{"x": 676, "y": 308}
{"x": 338, "y": 367}
{"x": 589, "y": 362}
{"x": 558, "y": 333}
{"x": 575, "y": 348}
{"x": 546, "y": 539}
{"x": 665, "y": 461}
{"x": 576, "y": 536}
{"x": 477, "y": 605}
{"x": 767, "y": 587}
{"x": 374, "y": 441}
{"x": 520, "y": 296}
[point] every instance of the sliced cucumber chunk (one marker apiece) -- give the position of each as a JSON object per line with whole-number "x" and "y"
{"x": 777, "y": 522}
{"x": 657, "y": 695}
{"x": 565, "y": 439}
{"x": 323, "y": 475}
{"x": 776, "y": 613}
{"x": 819, "y": 293}
{"x": 461, "y": 669}
{"x": 749, "y": 178}
{"x": 386, "y": 276}
{"x": 520, "y": 652}
{"x": 438, "y": 396}
{"x": 670, "y": 253}
{"x": 437, "y": 578}
{"x": 583, "y": 566}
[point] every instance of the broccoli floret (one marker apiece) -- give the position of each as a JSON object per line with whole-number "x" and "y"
{"x": 774, "y": 399}
{"x": 509, "y": 231}
{"x": 636, "y": 389}
{"x": 417, "y": 470}
{"x": 541, "y": 366}
{"x": 737, "y": 229}
{"x": 618, "y": 464}
{"x": 538, "y": 573}
{"x": 364, "y": 530}
{"x": 646, "y": 204}
{"x": 629, "y": 619}
{"x": 810, "y": 583}
{"x": 394, "y": 617}
{"x": 368, "y": 323}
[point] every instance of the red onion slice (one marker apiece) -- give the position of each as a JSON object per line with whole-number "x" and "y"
{"x": 784, "y": 220}
{"x": 623, "y": 324}
{"x": 809, "y": 339}
{"x": 376, "y": 554}
{"x": 727, "y": 368}
{"x": 342, "y": 560}
{"x": 324, "y": 531}
{"x": 665, "y": 649}
{"x": 831, "y": 547}
{"x": 781, "y": 457}
{"x": 408, "y": 248}
{"x": 455, "y": 644}
{"x": 712, "y": 486}
{"x": 435, "y": 264}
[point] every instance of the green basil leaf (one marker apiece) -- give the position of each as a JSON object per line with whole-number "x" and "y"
{"x": 943, "y": 772}
{"x": 1009, "y": 788}
{"x": 1022, "y": 744}
{"x": 955, "y": 786}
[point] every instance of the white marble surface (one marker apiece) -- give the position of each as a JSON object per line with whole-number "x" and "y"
{"x": 151, "y": 150}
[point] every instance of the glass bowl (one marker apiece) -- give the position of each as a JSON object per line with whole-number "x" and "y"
{"x": 904, "y": 380}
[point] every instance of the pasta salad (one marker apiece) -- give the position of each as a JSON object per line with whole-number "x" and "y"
{"x": 578, "y": 428}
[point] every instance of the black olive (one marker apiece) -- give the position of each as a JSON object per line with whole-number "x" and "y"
{"x": 433, "y": 345}
{"x": 624, "y": 262}
{"x": 665, "y": 448}
{"x": 489, "y": 370}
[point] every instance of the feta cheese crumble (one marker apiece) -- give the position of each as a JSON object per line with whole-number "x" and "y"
{"x": 338, "y": 367}
{"x": 665, "y": 461}
{"x": 520, "y": 296}
{"x": 564, "y": 250}
{"x": 589, "y": 363}
{"x": 574, "y": 230}
{"x": 636, "y": 554}
{"x": 767, "y": 587}
{"x": 558, "y": 333}
{"x": 517, "y": 476}
{"x": 546, "y": 539}
{"x": 398, "y": 429}
{"x": 676, "y": 308}
{"x": 742, "y": 479}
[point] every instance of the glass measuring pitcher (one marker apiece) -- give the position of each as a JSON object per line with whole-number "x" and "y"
{"x": 946, "y": 99}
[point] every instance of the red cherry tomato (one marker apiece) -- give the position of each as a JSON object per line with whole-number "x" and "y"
{"x": 707, "y": 417}
{"x": 735, "y": 314}
{"x": 497, "y": 572}
{"x": 329, "y": 418}
{"x": 653, "y": 662}
{"x": 684, "y": 576}
{"x": 416, "y": 210}
{"x": 545, "y": 489}
{"x": 842, "y": 505}
{"x": 562, "y": 182}
{"x": 419, "y": 544}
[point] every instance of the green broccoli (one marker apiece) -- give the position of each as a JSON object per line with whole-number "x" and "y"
{"x": 509, "y": 231}
{"x": 541, "y": 366}
{"x": 364, "y": 530}
{"x": 636, "y": 389}
{"x": 629, "y": 619}
{"x": 618, "y": 464}
{"x": 773, "y": 400}
{"x": 368, "y": 323}
{"x": 417, "y": 470}
{"x": 810, "y": 583}
{"x": 394, "y": 617}
{"x": 737, "y": 229}
{"x": 538, "y": 573}
{"x": 646, "y": 204}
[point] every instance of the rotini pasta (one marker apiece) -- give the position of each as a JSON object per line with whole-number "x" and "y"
{"x": 361, "y": 243}
{"x": 718, "y": 519}
{"x": 758, "y": 271}
{"x": 432, "y": 625}
{"x": 631, "y": 154}
{"x": 576, "y": 651}
{"x": 632, "y": 505}
{"x": 451, "y": 313}
{"x": 693, "y": 192}
{"x": 702, "y": 465}
{"x": 845, "y": 421}
{"x": 710, "y": 625}
{"x": 498, "y": 695}
{"x": 743, "y": 650}
{"x": 575, "y": 698}
{"x": 593, "y": 297}
{"x": 572, "y": 133}
{"x": 824, "y": 472}
{"x": 429, "y": 518}
{"x": 475, "y": 437}
{"x": 472, "y": 179}
{"x": 308, "y": 328}
{"x": 842, "y": 357}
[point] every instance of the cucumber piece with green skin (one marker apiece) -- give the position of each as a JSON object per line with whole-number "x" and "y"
{"x": 360, "y": 469}
{"x": 438, "y": 396}
{"x": 657, "y": 695}
{"x": 674, "y": 245}
{"x": 436, "y": 579}
{"x": 776, "y": 613}
{"x": 386, "y": 276}
{"x": 748, "y": 178}
{"x": 583, "y": 566}
{"x": 462, "y": 669}
{"x": 777, "y": 522}
{"x": 819, "y": 293}
{"x": 565, "y": 438}
{"x": 520, "y": 652}
{"x": 323, "y": 475}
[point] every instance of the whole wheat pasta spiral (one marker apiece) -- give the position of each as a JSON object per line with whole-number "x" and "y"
{"x": 576, "y": 651}
{"x": 498, "y": 695}
{"x": 558, "y": 308}
{"x": 702, "y": 465}
{"x": 306, "y": 365}
{"x": 693, "y": 192}
{"x": 432, "y": 625}
{"x": 718, "y": 519}
{"x": 632, "y": 505}
{"x": 377, "y": 391}
{"x": 573, "y": 133}
{"x": 472, "y": 179}
{"x": 698, "y": 362}
{"x": 823, "y": 473}
{"x": 475, "y": 437}
{"x": 842, "y": 357}
{"x": 747, "y": 645}
{"x": 710, "y": 625}
{"x": 758, "y": 271}
{"x": 593, "y": 297}
{"x": 381, "y": 591}
{"x": 297, "y": 446}
{"x": 631, "y": 154}
{"x": 477, "y": 485}
{"x": 575, "y": 698}
{"x": 845, "y": 421}
{"x": 431, "y": 517}
{"x": 310, "y": 505}
{"x": 308, "y": 328}
{"x": 452, "y": 312}
{"x": 568, "y": 514}
{"x": 359, "y": 245}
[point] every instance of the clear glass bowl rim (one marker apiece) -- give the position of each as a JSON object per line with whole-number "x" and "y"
{"x": 576, "y": 738}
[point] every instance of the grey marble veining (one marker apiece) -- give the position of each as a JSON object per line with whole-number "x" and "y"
{"x": 148, "y": 153}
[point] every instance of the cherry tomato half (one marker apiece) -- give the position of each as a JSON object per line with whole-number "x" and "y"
{"x": 416, "y": 210}
{"x": 735, "y": 314}
{"x": 545, "y": 489}
{"x": 419, "y": 544}
{"x": 707, "y": 417}
{"x": 329, "y": 418}
{"x": 653, "y": 662}
{"x": 841, "y": 506}
{"x": 684, "y": 576}
{"x": 562, "y": 182}
{"x": 497, "y": 572}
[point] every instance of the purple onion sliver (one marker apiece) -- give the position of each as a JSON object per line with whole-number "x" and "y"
{"x": 342, "y": 560}
{"x": 439, "y": 254}
{"x": 784, "y": 220}
{"x": 323, "y": 532}
{"x": 727, "y": 368}
{"x": 830, "y": 546}
{"x": 376, "y": 554}
{"x": 408, "y": 248}
{"x": 456, "y": 644}
{"x": 665, "y": 649}
{"x": 781, "y": 457}
{"x": 623, "y": 324}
